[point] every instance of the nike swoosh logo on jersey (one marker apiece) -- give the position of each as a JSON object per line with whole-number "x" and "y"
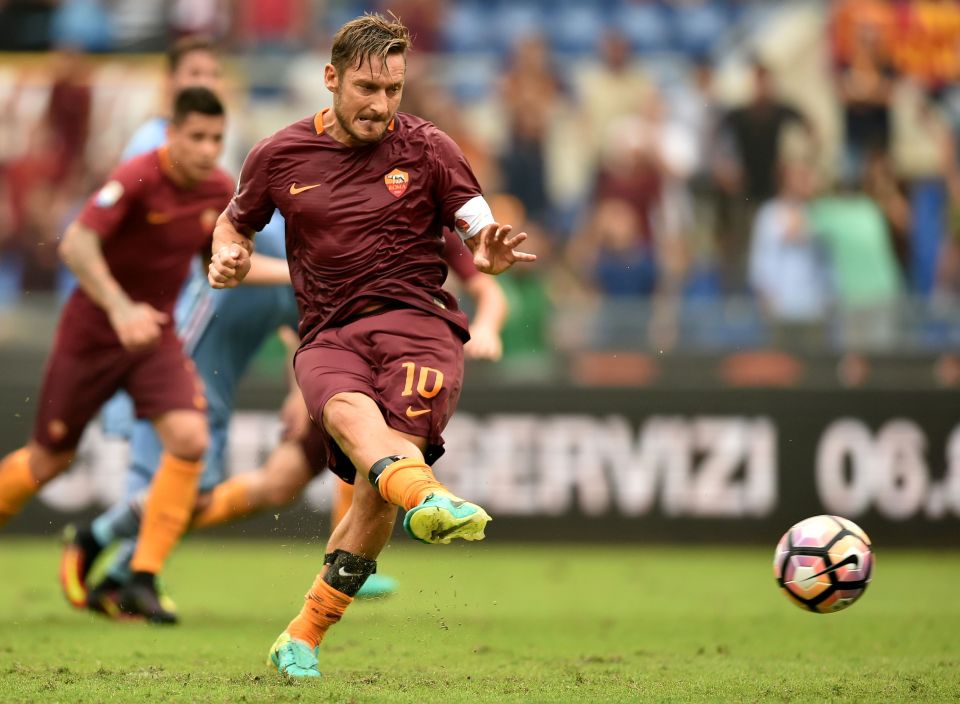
{"x": 294, "y": 189}
{"x": 413, "y": 414}
{"x": 157, "y": 218}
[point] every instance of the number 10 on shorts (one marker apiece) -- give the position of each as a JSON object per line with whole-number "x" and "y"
{"x": 426, "y": 376}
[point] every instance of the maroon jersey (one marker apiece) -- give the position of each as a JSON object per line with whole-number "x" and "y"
{"x": 364, "y": 225}
{"x": 151, "y": 228}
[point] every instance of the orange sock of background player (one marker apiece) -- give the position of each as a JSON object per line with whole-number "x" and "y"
{"x": 322, "y": 607}
{"x": 17, "y": 485}
{"x": 407, "y": 482}
{"x": 342, "y": 499}
{"x": 228, "y": 500}
{"x": 166, "y": 511}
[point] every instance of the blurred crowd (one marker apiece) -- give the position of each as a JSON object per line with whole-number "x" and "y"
{"x": 695, "y": 174}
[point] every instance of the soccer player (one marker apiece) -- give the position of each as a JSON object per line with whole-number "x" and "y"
{"x": 364, "y": 190}
{"x": 222, "y": 342}
{"x": 130, "y": 249}
{"x": 192, "y": 61}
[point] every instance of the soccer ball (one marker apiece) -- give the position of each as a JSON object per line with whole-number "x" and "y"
{"x": 823, "y": 564}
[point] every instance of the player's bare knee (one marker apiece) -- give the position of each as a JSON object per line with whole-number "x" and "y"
{"x": 188, "y": 442}
{"x": 348, "y": 416}
{"x": 184, "y": 434}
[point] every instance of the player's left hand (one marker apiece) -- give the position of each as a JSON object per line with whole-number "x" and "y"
{"x": 484, "y": 343}
{"x": 228, "y": 266}
{"x": 495, "y": 251}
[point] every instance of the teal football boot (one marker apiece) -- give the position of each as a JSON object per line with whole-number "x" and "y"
{"x": 293, "y": 657}
{"x": 440, "y": 518}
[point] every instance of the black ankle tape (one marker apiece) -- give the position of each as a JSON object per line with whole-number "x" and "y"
{"x": 377, "y": 469}
{"x": 347, "y": 572}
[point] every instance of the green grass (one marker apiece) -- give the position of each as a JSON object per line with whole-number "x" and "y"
{"x": 492, "y": 623}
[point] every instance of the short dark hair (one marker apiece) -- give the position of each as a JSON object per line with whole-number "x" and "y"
{"x": 196, "y": 99}
{"x": 188, "y": 45}
{"x": 368, "y": 36}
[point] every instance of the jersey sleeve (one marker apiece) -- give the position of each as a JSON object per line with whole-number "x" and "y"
{"x": 457, "y": 256}
{"x": 105, "y": 210}
{"x": 455, "y": 183}
{"x": 252, "y": 204}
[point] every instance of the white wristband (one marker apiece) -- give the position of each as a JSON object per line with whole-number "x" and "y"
{"x": 473, "y": 216}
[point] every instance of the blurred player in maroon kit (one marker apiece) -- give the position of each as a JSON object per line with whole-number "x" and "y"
{"x": 365, "y": 192}
{"x": 130, "y": 249}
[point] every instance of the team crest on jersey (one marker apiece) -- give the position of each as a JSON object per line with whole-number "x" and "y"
{"x": 397, "y": 182}
{"x": 108, "y": 196}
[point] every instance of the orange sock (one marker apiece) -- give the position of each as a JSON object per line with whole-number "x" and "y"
{"x": 322, "y": 607}
{"x": 342, "y": 499}
{"x": 407, "y": 482}
{"x": 166, "y": 512}
{"x": 228, "y": 500}
{"x": 17, "y": 485}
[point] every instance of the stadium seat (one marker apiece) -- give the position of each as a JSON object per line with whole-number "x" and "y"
{"x": 647, "y": 26}
{"x": 575, "y": 29}
{"x": 469, "y": 29}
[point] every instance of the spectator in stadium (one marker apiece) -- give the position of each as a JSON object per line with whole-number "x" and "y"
{"x": 853, "y": 230}
{"x": 49, "y": 178}
{"x": 925, "y": 155}
{"x": 746, "y": 174}
{"x": 788, "y": 269}
{"x": 881, "y": 183}
{"x": 865, "y": 83}
{"x": 614, "y": 87}
{"x": 614, "y": 256}
{"x": 530, "y": 92}
{"x": 635, "y": 243}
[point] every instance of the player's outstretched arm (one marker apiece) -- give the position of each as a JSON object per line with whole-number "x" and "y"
{"x": 230, "y": 262}
{"x": 495, "y": 251}
{"x": 138, "y": 325}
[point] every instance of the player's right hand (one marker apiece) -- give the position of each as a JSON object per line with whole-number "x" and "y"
{"x": 228, "y": 266}
{"x": 138, "y": 326}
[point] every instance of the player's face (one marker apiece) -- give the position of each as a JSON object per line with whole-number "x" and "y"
{"x": 365, "y": 99}
{"x": 198, "y": 68}
{"x": 195, "y": 145}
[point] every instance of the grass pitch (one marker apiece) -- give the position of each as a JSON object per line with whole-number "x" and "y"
{"x": 492, "y": 623}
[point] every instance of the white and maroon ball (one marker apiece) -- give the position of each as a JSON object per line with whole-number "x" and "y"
{"x": 823, "y": 563}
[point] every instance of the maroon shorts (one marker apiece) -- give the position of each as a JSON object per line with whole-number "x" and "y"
{"x": 408, "y": 361}
{"x": 79, "y": 378}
